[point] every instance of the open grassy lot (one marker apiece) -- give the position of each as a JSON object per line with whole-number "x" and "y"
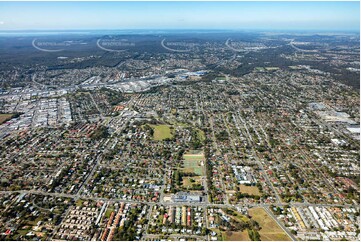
{"x": 5, "y": 117}
{"x": 108, "y": 212}
{"x": 295, "y": 67}
{"x": 194, "y": 155}
{"x": 235, "y": 236}
{"x": 195, "y": 152}
{"x": 162, "y": 132}
{"x": 79, "y": 202}
{"x": 238, "y": 216}
{"x": 200, "y": 135}
{"x": 272, "y": 68}
{"x": 23, "y": 232}
{"x": 270, "y": 229}
{"x": 220, "y": 78}
{"x": 263, "y": 69}
{"x": 259, "y": 69}
{"x": 251, "y": 190}
{"x": 187, "y": 181}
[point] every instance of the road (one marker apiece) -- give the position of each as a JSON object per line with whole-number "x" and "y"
{"x": 265, "y": 175}
{"x": 90, "y": 175}
{"x": 231, "y": 47}
{"x": 279, "y": 224}
{"x": 170, "y": 49}
{"x": 96, "y": 105}
{"x": 301, "y": 50}
{"x": 203, "y": 205}
{"x": 200, "y": 204}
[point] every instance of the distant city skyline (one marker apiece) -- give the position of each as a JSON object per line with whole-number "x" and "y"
{"x": 329, "y": 16}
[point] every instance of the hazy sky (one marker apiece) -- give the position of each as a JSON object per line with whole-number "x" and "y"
{"x": 180, "y": 15}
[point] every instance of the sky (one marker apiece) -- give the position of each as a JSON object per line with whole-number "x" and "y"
{"x": 341, "y": 16}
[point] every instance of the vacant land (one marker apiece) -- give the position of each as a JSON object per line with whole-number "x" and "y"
{"x": 251, "y": 190}
{"x": 218, "y": 78}
{"x": 79, "y": 203}
{"x": 270, "y": 229}
{"x": 259, "y": 69}
{"x": 187, "y": 181}
{"x": 108, "y": 212}
{"x": 235, "y": 236}
{"x": 162, "y": 132}
{"x": 194, "y": 155}
{"x": 5, "y": 117}
{"x": 272, "y": 68}
{"x": 264, "y": 69}
{"x": 295, "y": 67}
{"x": 200, "y": 135}
{"x": 238, "y": 216}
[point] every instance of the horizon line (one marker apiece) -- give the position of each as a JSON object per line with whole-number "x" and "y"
{"x": 181, "y": 29}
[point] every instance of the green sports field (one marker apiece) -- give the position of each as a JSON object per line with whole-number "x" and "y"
{"x": 162, "y": 132}
{"x": 193, "y": 162}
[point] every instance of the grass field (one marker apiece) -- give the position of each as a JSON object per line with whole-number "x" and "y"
{"x": 235, "y": 236}
{"x": 194, "y": 155}
{"x": 23, "y": 232}
{"x": 263, "y": 69}
{"x": 108, "y": 212}
{"x": 270, "y": 229}
{"x": 193, "y": 161}
{"x": 238, "y": 216}
{"x": 251, "y": 190}
{"x": 162, "y": 132}
{"x": 79, "y": 202}
{"x": 272, "y": 68}
{"x": 5, "y": 117}
{"x": 295, "y": 67}
{"x": 220, "y": 78}
{"x": 259, "y": 68}
{"x": 200, "y": 135}
{"x": 192, "y": 166}
{"x": 187, "y": 183}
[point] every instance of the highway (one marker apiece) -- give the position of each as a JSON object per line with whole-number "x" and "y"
{"x": 231, "y": 47}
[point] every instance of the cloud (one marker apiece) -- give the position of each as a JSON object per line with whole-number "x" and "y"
{"x": 2, "y": 22}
